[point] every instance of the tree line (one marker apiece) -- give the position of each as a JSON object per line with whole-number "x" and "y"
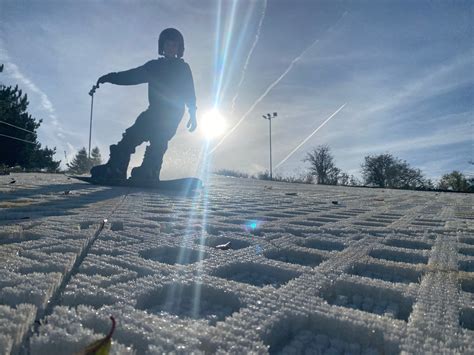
{"x": 382, "y": 170}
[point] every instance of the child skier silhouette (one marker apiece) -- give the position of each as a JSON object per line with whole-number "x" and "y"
{"x": 170, "y": 87}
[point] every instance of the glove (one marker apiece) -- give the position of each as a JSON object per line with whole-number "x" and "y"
{"x": 104, "y": 79}
{"x": 192, "y": 123}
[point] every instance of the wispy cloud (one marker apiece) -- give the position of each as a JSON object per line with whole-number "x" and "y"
{"x": 434, "y": 81}
{"x": 12, "y": 70}
{"x": 458, "y": 134}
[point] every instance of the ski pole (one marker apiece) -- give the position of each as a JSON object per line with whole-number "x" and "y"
{"x": 91, "y": 93}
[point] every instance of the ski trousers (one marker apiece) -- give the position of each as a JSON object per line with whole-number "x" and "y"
{"x": 155, "y": 125}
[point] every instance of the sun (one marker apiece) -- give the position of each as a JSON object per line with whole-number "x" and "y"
{"x": 212, "y": 124}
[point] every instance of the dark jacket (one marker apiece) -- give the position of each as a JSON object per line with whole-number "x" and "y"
{"x": 170, "y": 83}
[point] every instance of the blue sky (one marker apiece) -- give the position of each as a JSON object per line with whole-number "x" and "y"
{"x": 404, "y": 69}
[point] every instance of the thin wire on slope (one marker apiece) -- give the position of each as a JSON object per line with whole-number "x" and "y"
{"x": 12, "y": 125}
{"x": 18, "y": 139}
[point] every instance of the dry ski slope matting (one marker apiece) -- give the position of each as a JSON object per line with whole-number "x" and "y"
{"x": 313, "y": 269}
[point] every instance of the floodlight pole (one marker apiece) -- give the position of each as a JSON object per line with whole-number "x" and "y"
{"x": 269, "y": 117}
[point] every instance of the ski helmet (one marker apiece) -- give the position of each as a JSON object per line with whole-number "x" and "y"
{"x": 174, "y": 35}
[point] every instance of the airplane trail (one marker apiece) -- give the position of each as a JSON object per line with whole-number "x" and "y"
{"x": 272, "y": 85}
{"x": 312, "y": 134}
{"x": 247, "y": 60}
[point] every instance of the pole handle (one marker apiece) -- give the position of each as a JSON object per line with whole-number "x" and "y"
{"x": 94, "y": 88}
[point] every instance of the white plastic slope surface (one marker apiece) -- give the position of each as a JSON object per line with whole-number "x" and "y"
{"x": 309, "y": 269}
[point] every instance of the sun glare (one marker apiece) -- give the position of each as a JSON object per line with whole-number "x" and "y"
{"x": 212, "y": 124}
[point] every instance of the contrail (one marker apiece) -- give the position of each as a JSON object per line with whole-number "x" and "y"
{"x": 312, "y": 134}
{"x": 262, "y": 97}
{"x": 293, "y": 62}
{"x": 247, "y": 60}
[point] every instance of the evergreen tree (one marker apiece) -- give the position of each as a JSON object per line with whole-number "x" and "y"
{"x": 20, "y": 146}
{"x": 81, "y": 163}
{"x": 96, "y": 158}
{"x": 43, "y": 159}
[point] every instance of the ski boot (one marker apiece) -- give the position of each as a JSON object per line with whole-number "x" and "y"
{"x": 115, "y": 170}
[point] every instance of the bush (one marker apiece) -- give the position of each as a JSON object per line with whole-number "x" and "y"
{"x": 232, "y": 173}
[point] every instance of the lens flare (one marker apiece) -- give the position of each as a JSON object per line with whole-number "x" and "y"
{"x": 212, "y": 124}
{"x": 252, "y": 226}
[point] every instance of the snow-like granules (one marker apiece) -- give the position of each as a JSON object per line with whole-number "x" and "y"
{"x": 246, "y": 266}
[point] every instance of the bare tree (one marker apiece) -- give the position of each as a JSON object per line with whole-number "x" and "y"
{"x": 378, "y": 170}
{"x": 344, "y": 179}
{"x": 353, "y": 181}
{"x": 322, "y": 165}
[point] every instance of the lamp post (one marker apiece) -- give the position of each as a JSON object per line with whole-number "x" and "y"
{"x": 269, "y": 117}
